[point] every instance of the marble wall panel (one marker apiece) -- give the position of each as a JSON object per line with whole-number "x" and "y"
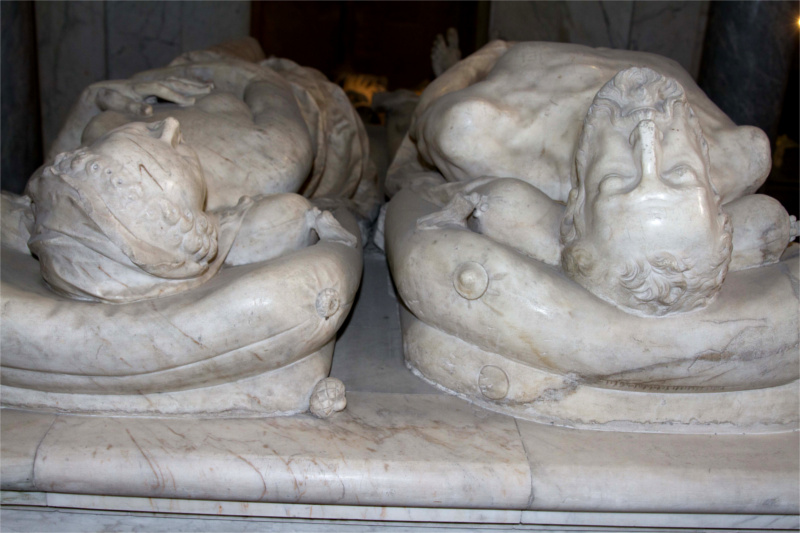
{"x": 674, "y": 28}
{"x": 749, "y": 51}
{"x": 204, "y": 24}
{"x": 141, "y": 35}
{"x": 21, "y": 434}
{"x": 83, "y": 42}
{"x": 71, "y": 40}
{"x": 593, "y": 23}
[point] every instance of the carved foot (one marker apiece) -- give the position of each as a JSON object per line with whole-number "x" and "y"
{"x": 445, "y": 52}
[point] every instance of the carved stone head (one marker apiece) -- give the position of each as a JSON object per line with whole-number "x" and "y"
{"x": 138, "y": 187}
{"x": 643, "y": 227}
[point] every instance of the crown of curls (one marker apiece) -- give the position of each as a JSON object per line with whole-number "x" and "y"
{"x": 170, "y": 241}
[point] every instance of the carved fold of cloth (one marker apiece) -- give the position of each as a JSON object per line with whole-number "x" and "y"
{"x": 87, "y": 253}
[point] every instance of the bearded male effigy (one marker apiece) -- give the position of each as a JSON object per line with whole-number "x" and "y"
{"x": 575, "y": 238}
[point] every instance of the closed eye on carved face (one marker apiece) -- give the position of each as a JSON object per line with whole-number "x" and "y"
{"x": 618, "y": 183}
{"x": 682, "y": 176}
{"x": 647, "y": 187}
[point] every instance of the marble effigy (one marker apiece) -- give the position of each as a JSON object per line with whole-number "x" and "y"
{"x": 576, "y": 241}
{"x": 179, "y": 272}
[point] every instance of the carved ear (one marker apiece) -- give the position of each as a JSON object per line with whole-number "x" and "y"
{"x": 168, "y": 131}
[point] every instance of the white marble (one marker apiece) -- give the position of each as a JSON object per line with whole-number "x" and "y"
{"x": 619, "y": 472}
{"x": 445, "y": 51}
{"x": 503, "y": 384}
{"x": 384, "y": 449}
{"x": 69, "y": 520}
{"x": 389, "y": 452}
{"x": 663, "y": 521}
{"x": 21, "y": 433}
{"x": 28, "y": 499}
{"x": 393, "y": 450}
{"x": 206, "y": 512}
{"x": 142, "y": 203}
{"x": 279, "y": 510}
{"x": 569, "y": 213}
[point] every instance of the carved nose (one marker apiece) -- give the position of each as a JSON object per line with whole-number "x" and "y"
{"x": 646, "y": 141}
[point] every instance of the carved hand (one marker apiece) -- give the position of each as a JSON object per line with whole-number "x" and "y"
{"x": 130, "y": 97}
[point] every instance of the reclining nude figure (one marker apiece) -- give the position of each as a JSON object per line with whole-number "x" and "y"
{"x": 626, "y": 196}
{"x": 152, "y": 187}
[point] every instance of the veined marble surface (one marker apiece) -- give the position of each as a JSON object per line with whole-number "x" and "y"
{"x": 390, "y": 451}
{"x": 75, "y": 512}
{"x": 385, "y": 449}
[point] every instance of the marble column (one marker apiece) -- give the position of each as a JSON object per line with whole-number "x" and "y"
{"x": 21, "y": 128}
{"x": 746, "y": 59}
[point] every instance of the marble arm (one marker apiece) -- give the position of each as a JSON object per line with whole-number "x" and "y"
{"x": 514, "y": 213}
{"x": 507, "y": 210}
{"x": 123, "y": 96}
{"x": 534, "y": 314}
{"x": 282, "y": 223}
{"x": 466, "y": 72}
{"x": 762, "y": 229}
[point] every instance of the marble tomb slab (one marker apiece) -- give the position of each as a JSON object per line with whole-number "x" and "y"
{"x": 22, "y": 431}
{"x": 385, "y": 449}
{"x": 577, "y": 477}
{"x": 587, "y": 471}
{"x": 162, "y": 514}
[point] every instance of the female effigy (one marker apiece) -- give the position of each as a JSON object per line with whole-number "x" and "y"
{"x": 173, "y": 196}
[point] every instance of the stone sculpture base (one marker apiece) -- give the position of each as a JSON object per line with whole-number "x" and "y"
{"x": 284, "y": 391}
{"x": 253, "y": 341}
{"x": 500, "y": 384}
{"x": 401, "y": 451}
{"x": 517, "y": 336}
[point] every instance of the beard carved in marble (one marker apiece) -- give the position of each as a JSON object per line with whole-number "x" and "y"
{"x": 575, "y": 239}
{"x": 231, "y": 286}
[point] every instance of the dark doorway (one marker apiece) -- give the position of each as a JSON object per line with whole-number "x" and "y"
{"x": 391, "y": 39}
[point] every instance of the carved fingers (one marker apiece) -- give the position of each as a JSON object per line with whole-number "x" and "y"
{"x": 135, "y": 98}
{"x": 108, "y": 99}
{"x": 181, "y": 91}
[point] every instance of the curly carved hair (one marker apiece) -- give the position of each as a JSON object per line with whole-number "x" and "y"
{"x": 662, "y": 282}
{"x": 137, "y": 205}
